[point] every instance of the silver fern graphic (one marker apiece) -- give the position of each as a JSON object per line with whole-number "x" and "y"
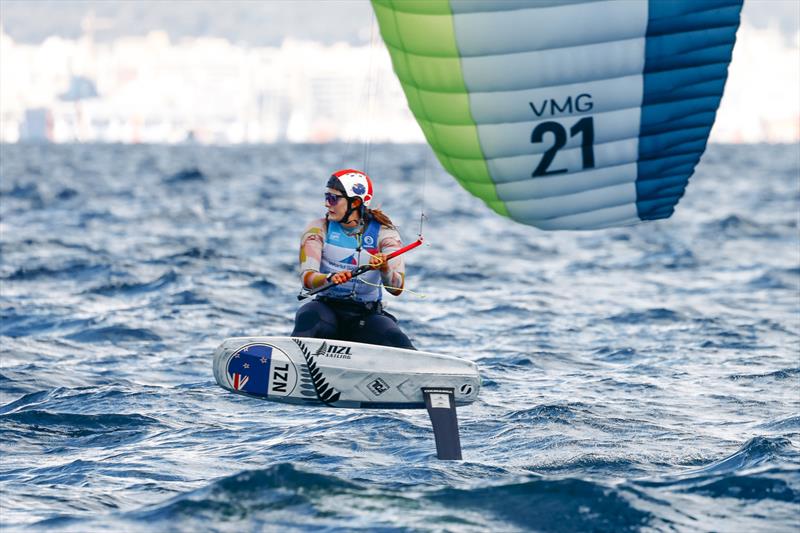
{"x": 312, "y": 375}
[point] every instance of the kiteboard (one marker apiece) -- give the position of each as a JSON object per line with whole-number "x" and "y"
{"x": 321, "y": 372}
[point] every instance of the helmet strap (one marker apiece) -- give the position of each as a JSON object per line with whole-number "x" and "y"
{"x": 351, "y": 209}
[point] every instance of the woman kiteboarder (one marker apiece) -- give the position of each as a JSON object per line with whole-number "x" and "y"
{"x": 332, "y": 248}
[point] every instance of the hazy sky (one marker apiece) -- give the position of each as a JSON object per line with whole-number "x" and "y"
{"x": 760, "y": 101}
{"x": 255, "y": 22}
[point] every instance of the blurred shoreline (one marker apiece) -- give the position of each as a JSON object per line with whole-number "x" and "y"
{"x": 209, "y": 90}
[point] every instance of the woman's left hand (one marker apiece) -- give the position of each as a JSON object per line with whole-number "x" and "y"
{"x": 379, "y": 261}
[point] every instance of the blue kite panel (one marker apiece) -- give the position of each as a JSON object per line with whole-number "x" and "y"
{"x": 687, "y": 52}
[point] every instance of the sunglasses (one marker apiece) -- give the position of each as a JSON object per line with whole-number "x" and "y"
{"x": 332, "y": 199}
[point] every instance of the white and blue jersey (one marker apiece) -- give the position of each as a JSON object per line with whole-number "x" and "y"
{"x": 343, "y": 251}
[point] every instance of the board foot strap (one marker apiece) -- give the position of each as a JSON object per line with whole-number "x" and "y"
{"x": 441, "y": 406}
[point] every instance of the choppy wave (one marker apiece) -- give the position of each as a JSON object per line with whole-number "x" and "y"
{"x": 640, "y": 378}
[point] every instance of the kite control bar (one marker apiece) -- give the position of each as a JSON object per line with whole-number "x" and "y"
{"x": 361, "y": 270}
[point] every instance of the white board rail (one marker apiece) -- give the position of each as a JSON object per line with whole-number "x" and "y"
{"x": 339, "y": 373}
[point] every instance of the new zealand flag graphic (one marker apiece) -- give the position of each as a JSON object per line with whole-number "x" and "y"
{"x": 248, "y": 369}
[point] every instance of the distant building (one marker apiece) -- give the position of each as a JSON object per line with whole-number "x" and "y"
{"x": 80, "y": 88}
{"x": 37, "y": 125}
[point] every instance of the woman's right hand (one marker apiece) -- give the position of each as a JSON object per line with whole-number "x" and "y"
{"x": 341, "y": 277}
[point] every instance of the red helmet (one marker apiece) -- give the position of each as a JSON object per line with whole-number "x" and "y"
{"x": 353, "y": 183}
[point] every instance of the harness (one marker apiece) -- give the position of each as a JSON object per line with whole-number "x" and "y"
{"x": 343, "y": 251}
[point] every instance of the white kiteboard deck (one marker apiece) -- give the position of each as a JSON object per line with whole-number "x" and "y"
{"x": 339, "y": 373}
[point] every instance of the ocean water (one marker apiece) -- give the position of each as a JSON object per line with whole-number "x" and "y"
{"x": 634, "y": 379}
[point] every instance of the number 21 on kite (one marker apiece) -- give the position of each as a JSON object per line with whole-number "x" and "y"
{"x": 584, "y": 126}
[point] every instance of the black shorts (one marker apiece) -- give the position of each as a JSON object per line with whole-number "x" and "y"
{"x": 348, "y": 320}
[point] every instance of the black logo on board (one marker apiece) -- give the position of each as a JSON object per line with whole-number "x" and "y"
{"x": 333, "y": 351}
{"x": 378, "y": 387}
{"x": 338, "y": 352}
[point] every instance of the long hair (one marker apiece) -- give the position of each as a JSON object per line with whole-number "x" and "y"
{"x": 381, "y": 217}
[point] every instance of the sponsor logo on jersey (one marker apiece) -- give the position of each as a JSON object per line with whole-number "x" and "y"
{"x": 350, "y": 260}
